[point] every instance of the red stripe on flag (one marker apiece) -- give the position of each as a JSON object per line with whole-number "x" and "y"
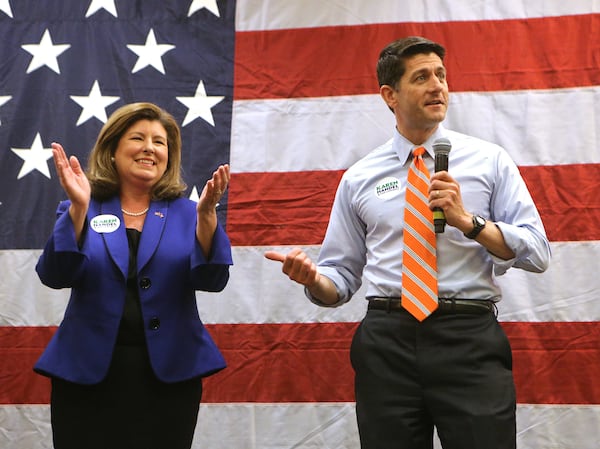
{"x": 554, "y": 363}
{"x": 332, "y": 61}
{"x": 280, "y": 208}
{"x": 20, "y": 347}
{"x": 293, "y": 208}
{"x": 567, "y": 199}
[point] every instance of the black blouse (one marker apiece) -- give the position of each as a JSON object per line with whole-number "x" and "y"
{"x": 131, "y": 329}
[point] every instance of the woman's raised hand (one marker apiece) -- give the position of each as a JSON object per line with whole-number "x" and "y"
{"x": 72, "y": 177}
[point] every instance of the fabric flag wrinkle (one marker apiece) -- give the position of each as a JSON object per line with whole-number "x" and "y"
{"x": 261, "y": 83}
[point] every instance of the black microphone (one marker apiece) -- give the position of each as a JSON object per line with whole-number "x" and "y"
{"x": 441, "y": 148}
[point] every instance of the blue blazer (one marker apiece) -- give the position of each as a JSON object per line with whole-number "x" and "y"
{"x": 170, "y": 268}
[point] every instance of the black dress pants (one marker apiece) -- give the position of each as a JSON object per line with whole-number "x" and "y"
{"x": 130, "y": 409}
{"x": 451, "y": 371}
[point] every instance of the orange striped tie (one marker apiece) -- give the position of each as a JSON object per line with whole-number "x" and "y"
{"x": 419, "y": 266}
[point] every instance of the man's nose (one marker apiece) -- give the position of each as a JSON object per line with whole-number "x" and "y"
{"x": 437, "y": 83}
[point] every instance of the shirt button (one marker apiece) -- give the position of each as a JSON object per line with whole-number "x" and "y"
{"x": 145, "y": 283}
{"x": 154, "y": 323}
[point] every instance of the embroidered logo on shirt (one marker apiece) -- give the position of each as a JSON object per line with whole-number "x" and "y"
{"x": 387, "y": 188}
{"x": 105, "y": 223}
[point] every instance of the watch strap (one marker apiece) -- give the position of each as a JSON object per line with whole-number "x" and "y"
{"x": 478, "y": 225}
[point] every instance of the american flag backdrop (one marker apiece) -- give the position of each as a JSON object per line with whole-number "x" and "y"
{"x": 285, "y": 91}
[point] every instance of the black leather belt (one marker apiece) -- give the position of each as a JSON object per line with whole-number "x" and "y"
{"x": 445, "y": 305}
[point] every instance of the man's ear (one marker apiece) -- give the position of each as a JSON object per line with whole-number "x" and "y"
{"x": 389, "y": 95}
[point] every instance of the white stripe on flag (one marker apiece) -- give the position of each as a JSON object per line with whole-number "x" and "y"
{"x": 556, "y": 295}
{"x": 301, "y": 425}
{"x": 307, "y": 134}
{"x": 283, "y": 14}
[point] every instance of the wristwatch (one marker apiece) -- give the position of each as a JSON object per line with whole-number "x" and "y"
{"x": 478, "y": 225}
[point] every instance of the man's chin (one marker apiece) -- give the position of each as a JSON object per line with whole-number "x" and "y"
{"x": 436, "y": 117}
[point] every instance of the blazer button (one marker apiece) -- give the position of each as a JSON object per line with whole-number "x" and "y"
{"x": 145, "y": 283}
{"x": 154, "y": 324}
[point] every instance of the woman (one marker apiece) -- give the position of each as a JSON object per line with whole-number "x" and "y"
{"x": 127, "y": 361}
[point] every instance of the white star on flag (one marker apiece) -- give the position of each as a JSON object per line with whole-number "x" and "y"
{"x": 94, "y": 105}
{"x": 5, "y": 7}
{"x": 96, "y": 5}
{"x": 45, "y": 53}
{"x": 194, "y": 196}
{"x": 4, "y": 99}
{"x": 197, "y": 5}
{"x": 199, "y": 105}
{"x": 34, "y": 158}
{"x": 150, "y": 53}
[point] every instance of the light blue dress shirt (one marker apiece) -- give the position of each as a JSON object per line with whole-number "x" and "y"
{"x": 364, "y": 238}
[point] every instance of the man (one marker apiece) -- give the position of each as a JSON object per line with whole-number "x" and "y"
{"x": 446, "y": 364}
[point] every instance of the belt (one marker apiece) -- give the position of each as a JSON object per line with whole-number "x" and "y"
{"x": 445, "y": 305}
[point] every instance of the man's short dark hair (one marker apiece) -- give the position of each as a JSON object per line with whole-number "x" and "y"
{"x": 391, "y": 64}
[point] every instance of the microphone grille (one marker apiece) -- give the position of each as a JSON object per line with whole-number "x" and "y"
{"x": 442, "y": 146}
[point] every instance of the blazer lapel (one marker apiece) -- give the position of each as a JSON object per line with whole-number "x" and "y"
{"x": 152, "y": 232}
{"x": 116, "y": 241}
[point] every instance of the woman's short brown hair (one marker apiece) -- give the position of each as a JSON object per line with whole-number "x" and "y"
{"x": 101, "y": 170}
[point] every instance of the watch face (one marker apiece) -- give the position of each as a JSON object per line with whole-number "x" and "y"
{"x": 478, "y": 225}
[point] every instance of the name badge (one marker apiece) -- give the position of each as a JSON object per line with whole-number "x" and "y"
{"x": 105, "y": 223}
{"x": 387, "y": 188}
